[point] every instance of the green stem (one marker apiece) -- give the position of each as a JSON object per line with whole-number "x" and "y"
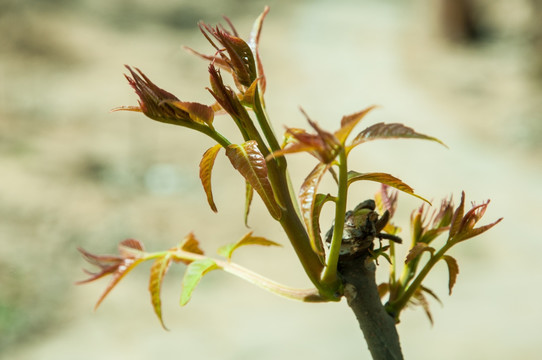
{"x": 395, "y": 307}
{"x": 306, "y": 295}
{"x": 330, "y": 273}
{"x": 265, "y": 125}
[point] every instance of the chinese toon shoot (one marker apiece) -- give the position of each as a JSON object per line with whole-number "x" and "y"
{"x": 360, "y": 237}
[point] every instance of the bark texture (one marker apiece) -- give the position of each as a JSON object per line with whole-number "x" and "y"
{"x": 361, "y": 292}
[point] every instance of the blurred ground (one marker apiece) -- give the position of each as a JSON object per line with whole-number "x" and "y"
{"x": 73, "y": 174}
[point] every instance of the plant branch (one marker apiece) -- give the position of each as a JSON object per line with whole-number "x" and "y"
{"x": 361, "y": 292}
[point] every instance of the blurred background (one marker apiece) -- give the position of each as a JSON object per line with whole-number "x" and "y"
{"x": 74, "y": 175}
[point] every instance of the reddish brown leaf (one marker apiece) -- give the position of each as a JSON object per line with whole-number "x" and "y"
{"x": 417, "y": 250}
{"x": 205, "y": 171}
{"x": 307, "y": 197}
{"x": 458, "y": 216}
{"x": 453, "y": 270}
{"x": 158, "y": 271}
{"x": 249, "y": 161}
{"x": 383, "y": 178}
{"x": 389, "y": 131}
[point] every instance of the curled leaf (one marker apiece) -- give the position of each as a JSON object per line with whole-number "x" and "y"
{"x": 249, "y": 194}
{"x": 307, "y": 199}
{"x": 249, "y": 161}
{"x": 248, "y": 239}
{"x": 158, "y": 271}
{"x": 205, "y": 170}
{"x": 192, "y": 276}
{"x": 453, "y": 270}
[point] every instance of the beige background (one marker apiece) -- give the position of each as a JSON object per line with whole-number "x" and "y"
{"x": 72, "y": 174}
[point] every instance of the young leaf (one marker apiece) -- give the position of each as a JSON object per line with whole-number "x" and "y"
{"x": 249, "y": 194}
{"x": 307, "y": 199}
{"x": 417, "y": 250}
{"x": 458, "y": 216}
{"x": 131, "y": 255}
{"x": 253, "y": 43}
{"x": 453, "y": 270}
{"x": 383, "y": 289}
{"x": 189, "y": 244}
{"x": 349, "y": 122}
{"x": 389, "y": 131}
{"x": 205, "y": 170}
{"x": 158, "y": 271}
{"x": 248, "y": 239}
{"x": 419, "y": 299}
{"x": 383, "y": 178}
{"x": 200, "y": 113}
{"x": 192, "y": 276}
{"x": 249, "y": 161}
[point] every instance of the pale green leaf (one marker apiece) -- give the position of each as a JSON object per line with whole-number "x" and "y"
{"x": 192, "y": 276}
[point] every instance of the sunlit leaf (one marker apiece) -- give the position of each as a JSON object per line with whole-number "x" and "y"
{"x": 349, "y": 122}
{"x": 205, "y": 170}
{"x": 307, "y": 199}
{"x": 383, "y": 178}
{"x": 198, "y": 112}
{"x": 390, "y": 131}
{"x": 158, "y": 271}
{"x": 249, "y": 161}
{"x": 248, "y": 239}
{"x": 247, "y": 98}
{"x": 417, "y": 250}
{"x": 192, "y": 276}
{"x": 453, "y": 270}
